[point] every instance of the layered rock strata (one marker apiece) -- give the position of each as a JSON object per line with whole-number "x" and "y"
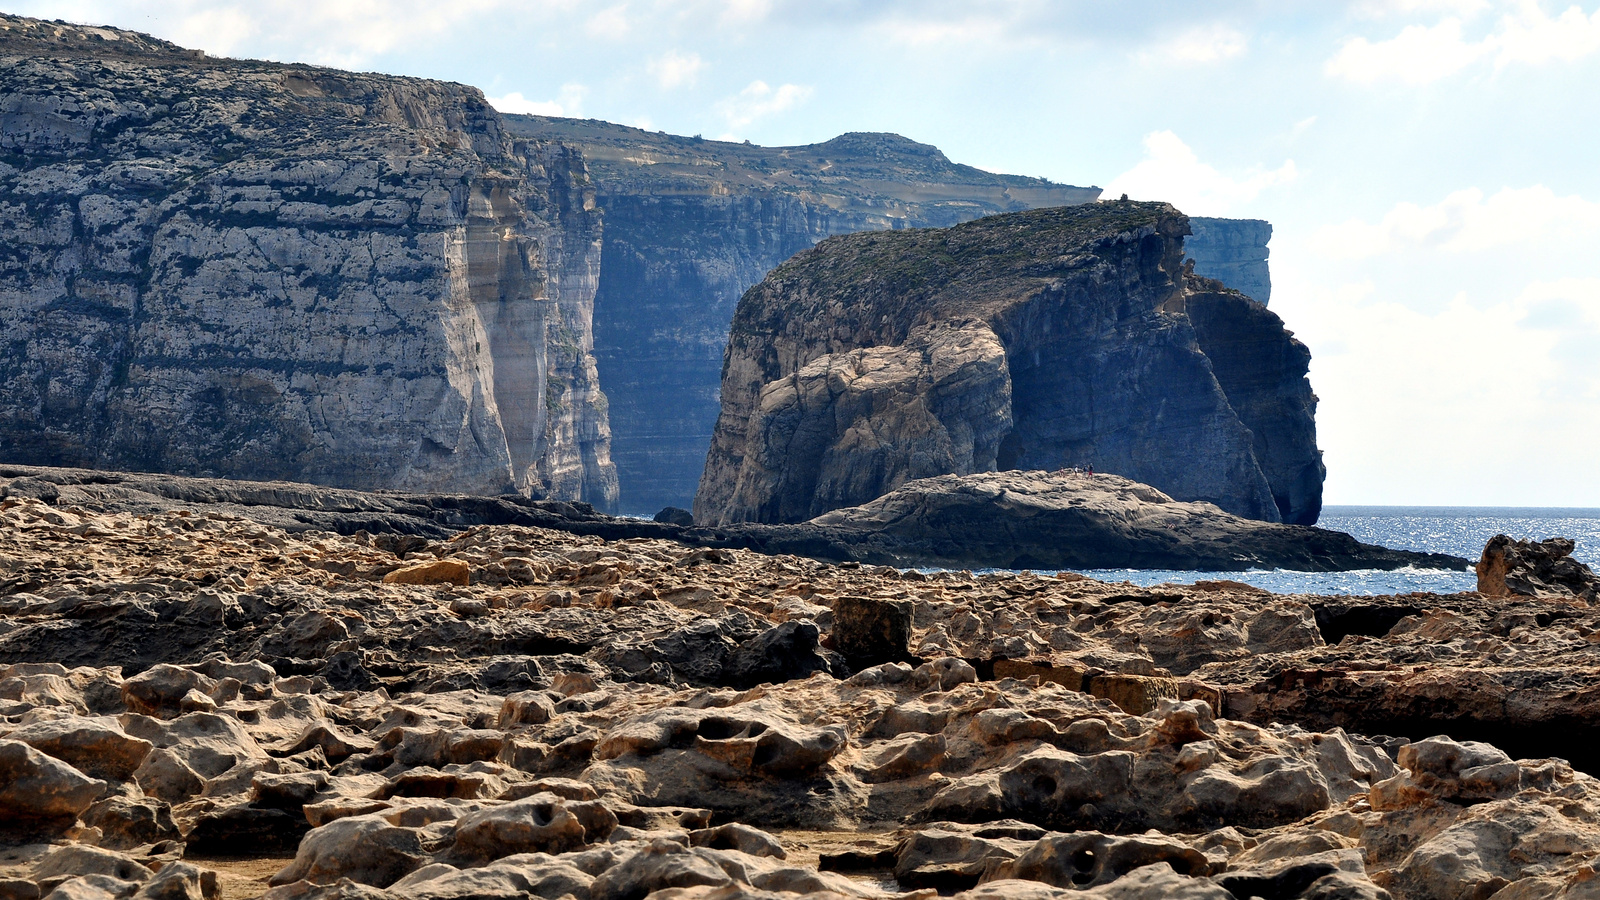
{"x": 692, "y": 224}
{"x": 252, "y": 270}
{"x": 1068, "y": 337}
{"x": 1234, "y": 252}
{"x": 1015, "y": 519}
{"x": 641, "y": 719}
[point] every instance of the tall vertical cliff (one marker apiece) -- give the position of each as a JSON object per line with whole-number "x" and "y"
{"x": 1234, "y": 252}
{"x": 1031, "y": 340}
{"x": 692, "y": 224}
{"x": 223, "y": 267}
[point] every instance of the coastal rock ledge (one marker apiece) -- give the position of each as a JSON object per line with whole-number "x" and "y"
{"x": 1065, "y": 520}
{"x": 1036, "y": 520}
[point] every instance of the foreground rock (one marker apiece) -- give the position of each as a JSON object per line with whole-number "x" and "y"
{"x": 1065, "y": 520}
{"x": 1535, "y": 569}
{"x": 1072, "y": 336}
{"x": 1018, "y": 519}
{"x": 591, "y": 718}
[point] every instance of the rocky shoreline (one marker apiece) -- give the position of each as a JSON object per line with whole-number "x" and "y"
{"x": 513, "y": 711}
{"x": 1041, "y": 520}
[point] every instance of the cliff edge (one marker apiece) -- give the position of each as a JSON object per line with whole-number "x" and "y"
{"x": 251, "y": 270}
{"x": 1043, "y": 339}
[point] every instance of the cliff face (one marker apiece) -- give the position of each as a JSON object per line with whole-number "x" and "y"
{"x": 1234, "y": 252}
{"x": 692, "y": 224}
{"x": 252, "y": 270}
{"x": 1034, "y": 340}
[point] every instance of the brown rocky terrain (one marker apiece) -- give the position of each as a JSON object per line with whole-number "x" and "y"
{"x": 510, "y": 711}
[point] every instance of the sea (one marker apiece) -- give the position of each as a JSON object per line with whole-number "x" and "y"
{"x": 1457, "y": 530}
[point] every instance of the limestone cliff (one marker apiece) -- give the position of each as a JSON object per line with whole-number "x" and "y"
{"x": 1234, "y": 252}
{"x": 252, "y": 270}
{"x": 1033, "y": 340}
{"x": 692, "y": 224}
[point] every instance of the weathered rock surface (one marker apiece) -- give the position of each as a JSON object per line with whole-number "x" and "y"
{"x": 1535, "y": 569}
{"x": 692, "y": 224}
{"x": 590, "y": 718}
{"x": 1064, "y": 520}
{"x": 253, "y": 270}
{"x": 1033, "y": 340}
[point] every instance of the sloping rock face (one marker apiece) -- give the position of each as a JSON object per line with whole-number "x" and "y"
{"x": 1046, "y": 520}
{"x": 692, "y": 224}
{"x": 1035, "y": 340}
{"x": 255, "y": 270}
{"x": 1234, "y": 252}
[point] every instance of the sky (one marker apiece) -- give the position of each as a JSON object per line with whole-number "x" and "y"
{"x": 1429, "y": 166}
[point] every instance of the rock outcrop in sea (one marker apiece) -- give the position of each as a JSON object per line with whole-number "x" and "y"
{"x": 195, "y": 705}
{"x": 1068, "y": 337}
{"x": 254, "y": 270}
{"x": 691, "y": 224}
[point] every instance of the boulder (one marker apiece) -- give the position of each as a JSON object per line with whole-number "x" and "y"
{"x": 868, "y": 631}
{"x": 365, "y": 849}
{"x": 1535, "y": 569}
{"x": 98, "y": 747}
{"x": 38, "y": 791}
{"x": 542, "y": 823}
{"x": 444, "y": 571}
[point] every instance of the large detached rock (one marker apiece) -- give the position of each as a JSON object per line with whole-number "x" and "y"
{"x": 1043, "y": 339}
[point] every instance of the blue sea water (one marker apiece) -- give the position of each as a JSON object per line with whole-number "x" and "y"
{"x": 1457, "y": 530}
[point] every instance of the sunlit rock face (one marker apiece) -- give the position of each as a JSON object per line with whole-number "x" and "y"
{"x": 1035, "y": 340}
{"x": 222, "y": 267}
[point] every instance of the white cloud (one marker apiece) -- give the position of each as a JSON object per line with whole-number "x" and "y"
{"x": 610, "y": 23}
{"x": 1418, "y": 55}
{"x": 220, "y": 32}
{"x": 1199, "y": 45}
{"x": 1421, "y": 54}
{"x": 1172, "y": 172}
{"x": 1495, "y": 404}
{"x": 759, "y": 100}
{"x": 1464, "y": 222}
{"x": 347, "y": 34}
{"x": 570, "y": 103}
{"x": 1381, "y": 8}
{"x": 673, "y": 69}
